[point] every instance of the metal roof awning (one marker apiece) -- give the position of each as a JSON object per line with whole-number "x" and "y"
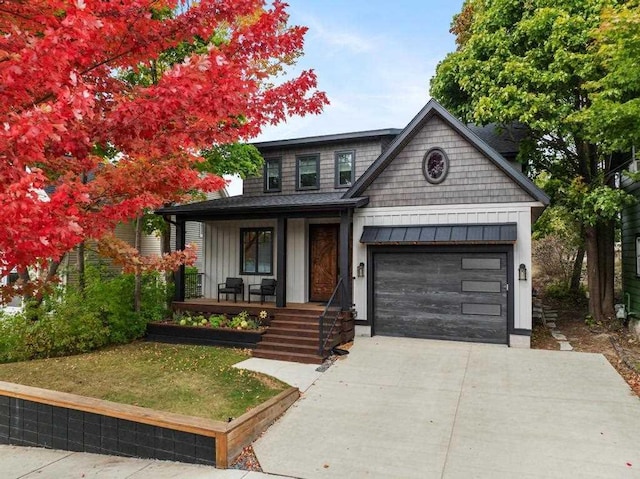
{"x": 501, "y": 233}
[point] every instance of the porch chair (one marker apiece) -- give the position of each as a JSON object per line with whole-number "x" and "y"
{"x": 233, "y": 286}
{"x": 266, "y": 288}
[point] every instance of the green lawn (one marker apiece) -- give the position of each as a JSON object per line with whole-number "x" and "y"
{"x": 193, "y": 380}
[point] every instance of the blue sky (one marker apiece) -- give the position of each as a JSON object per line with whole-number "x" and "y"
{"x": 373, "y": 58}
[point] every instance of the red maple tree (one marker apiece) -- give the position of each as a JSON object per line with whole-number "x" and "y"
{"x": 64, "y": 103}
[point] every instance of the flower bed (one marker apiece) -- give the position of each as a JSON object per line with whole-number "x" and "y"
{"x": 240, "y": 331}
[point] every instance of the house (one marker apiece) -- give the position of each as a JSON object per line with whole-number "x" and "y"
{"x": 425, "y": 231}
{"x": 631, "y": 244}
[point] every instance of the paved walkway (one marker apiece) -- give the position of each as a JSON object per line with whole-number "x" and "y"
{"x": 429, "y": 409}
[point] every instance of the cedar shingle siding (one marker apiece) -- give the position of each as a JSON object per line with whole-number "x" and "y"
{"x": 472, "y": 178}
{"x": 366, "y": 152}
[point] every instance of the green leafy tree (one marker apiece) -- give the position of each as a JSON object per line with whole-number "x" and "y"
{"x": 613, "y": 117}
{"x": 534, "y": 62}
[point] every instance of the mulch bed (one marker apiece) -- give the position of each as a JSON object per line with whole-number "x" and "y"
{"x": 247, "y": 461}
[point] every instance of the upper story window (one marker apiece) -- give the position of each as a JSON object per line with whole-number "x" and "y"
{"x": 435, "y": 166}
{"x": 256, "y": 251}
{"x": 308, "y": 172}
{"x": 345, "y": 168}
{"x": 272, "y": 175}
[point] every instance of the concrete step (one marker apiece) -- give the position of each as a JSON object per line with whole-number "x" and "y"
{"x": 283, "y": 356}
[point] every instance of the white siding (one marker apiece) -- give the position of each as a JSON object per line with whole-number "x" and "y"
{"x": 222, "y": 250}
{"x": 519, "y": 213}
{"x": 297, "y": 261}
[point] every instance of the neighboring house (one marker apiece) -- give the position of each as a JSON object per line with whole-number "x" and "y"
{"x": 151, "y": 243}
{"x": 195, "y": 232}
{"x": 631, "y": 245}
{"x": 15, "y": 304}
{"x": 428, "y": 228}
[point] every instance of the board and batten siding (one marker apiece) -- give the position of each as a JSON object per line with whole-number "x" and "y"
{"x": 472, "y": 177}
{"x": 519, "y": 213}
{"x": 630, "y": 229}
{"x": 222, "y": 250}
{"x": 223, "y": 244}
{"x": 365, "y": 153}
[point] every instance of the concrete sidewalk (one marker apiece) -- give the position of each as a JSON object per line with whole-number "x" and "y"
{"x": 429, "y": 409}
{"x": 31, "y": 463}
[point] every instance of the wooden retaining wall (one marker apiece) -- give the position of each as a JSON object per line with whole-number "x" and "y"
{"x": 39, "y": 417}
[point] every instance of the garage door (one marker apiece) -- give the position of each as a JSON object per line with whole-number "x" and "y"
{"x": 458, "y": 296}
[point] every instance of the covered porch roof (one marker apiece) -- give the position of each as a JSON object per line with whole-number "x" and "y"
{"x": 264, "y": 205}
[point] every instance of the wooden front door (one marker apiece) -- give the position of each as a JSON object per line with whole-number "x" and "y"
{"x": 323, "y": 259}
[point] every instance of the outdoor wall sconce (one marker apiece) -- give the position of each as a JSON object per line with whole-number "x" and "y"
{"x": 522, "y": 272}
{"x": 360, "y": 270}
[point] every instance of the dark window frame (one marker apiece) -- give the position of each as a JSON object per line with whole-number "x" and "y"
{"x": 265, "y": 185}
{"x": 445, "y": 172}
{"x": 337, "y": 170}
{"x": 299, "y": 158}
{"x": 257, "y": 251}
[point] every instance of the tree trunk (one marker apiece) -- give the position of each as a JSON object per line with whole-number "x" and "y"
{"x": 576, "y": 274}
{"x": 606, "y": 258}
{"x": 599, "y": 248}
{"x": 137, "y": 291}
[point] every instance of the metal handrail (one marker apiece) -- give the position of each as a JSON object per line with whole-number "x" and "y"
{"x": 324, "y": 339}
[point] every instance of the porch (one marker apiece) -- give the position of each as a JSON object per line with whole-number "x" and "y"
{"x": 302, "y": 241}
{"x": 299, "y": 332}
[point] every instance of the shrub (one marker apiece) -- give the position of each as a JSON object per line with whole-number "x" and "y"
{"x": 561, "y": 291}
{"x": 69, "y": 330}
{"x": 69, "y": 322}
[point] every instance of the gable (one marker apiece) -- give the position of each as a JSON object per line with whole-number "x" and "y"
{"x": 472, "y": 177}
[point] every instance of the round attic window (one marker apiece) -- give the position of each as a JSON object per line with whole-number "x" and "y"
{"x": 435, "y": 166}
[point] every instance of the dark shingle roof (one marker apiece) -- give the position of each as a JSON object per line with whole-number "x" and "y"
{"x": 327, "y": 139}
{"x": 505, "y": 140}
{"x": 236, "y": 205}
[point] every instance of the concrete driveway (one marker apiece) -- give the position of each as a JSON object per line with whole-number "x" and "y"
{"x": 409, "y": 408}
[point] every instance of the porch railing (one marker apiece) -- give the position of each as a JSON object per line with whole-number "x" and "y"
{"x": 330, "y": 318}
{"x": 193, "y": 285}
